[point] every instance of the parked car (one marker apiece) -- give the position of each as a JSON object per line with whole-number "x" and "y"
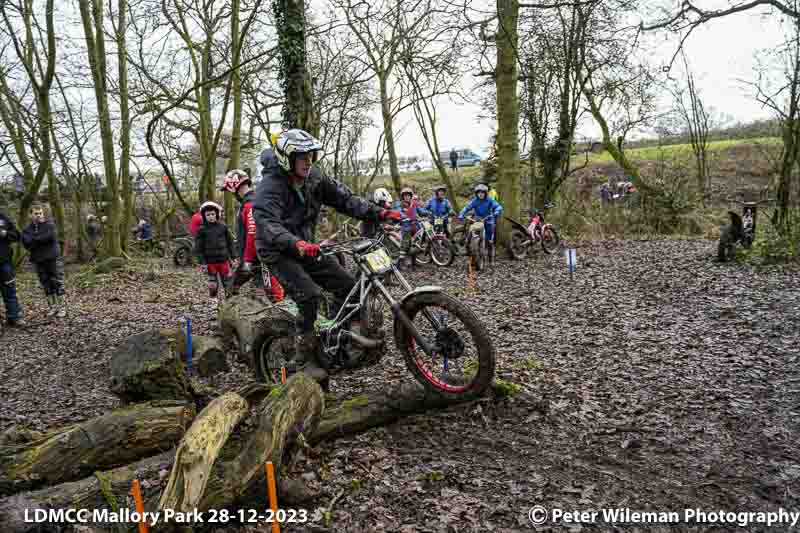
{"x": 466, "y": 158}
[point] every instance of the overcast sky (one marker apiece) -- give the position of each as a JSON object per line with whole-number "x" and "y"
{"x": 720, "y": 52}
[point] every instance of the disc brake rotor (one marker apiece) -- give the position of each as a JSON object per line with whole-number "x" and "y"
{"x": 449, "y": 343}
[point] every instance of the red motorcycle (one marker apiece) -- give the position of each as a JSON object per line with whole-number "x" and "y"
{"x": 537, "y": 230}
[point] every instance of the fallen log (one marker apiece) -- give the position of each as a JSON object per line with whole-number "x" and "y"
{"x": 208, "y": 354}
{"x": 198, "y": 450}
{"x": 238, "y": 474}
{"x": 106, "y": 490}
{"x": 104, "y": 442}
{"x": 147, "y": 366}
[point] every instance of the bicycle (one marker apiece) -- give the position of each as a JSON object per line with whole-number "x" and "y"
{"x": 435, "y": 349}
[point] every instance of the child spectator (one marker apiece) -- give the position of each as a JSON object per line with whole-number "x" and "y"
{"x": 214, "y": 248}
{"x": 40, "y": 238}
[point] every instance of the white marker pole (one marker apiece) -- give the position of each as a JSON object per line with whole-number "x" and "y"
{"x": 572, "y": 260}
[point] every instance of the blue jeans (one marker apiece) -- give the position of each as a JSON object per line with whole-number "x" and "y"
{"x": 8, "y": 287}
{"x": 488, "y": 228}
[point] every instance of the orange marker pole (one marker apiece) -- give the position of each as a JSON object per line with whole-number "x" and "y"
{"x": 283, "y": 375}
{"x": 471, "y": 275}
{"x": 136, "y": 490}
{"x": 273, "y": 496}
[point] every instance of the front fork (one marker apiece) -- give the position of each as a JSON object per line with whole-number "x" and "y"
{"x": 400, "y": 315}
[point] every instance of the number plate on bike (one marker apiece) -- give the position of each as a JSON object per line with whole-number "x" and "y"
{"x": 438, "y": 221}
{"x": 378, "y": 261}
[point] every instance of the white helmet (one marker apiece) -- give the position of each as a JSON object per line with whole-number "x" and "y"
{"x": 292, "y": 142}
{"x": 142, "y": 222}
{"x": 382, "y": 196}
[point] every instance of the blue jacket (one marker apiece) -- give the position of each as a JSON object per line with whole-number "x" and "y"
{"x": 439, "y": 208}
{"x": 146, "y": 232}
{"x": 483, "y": 208}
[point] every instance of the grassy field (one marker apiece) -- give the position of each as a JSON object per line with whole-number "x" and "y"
{"x": 652, "y": 153}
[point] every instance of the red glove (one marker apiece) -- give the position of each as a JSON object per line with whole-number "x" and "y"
{"x": 384, "y": 214}
{"x": 307, "y": 249}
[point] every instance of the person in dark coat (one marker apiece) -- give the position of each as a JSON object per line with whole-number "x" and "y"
{"x": 214, "y": 247}
{"x": 453, "y": 159}
{"x": 288, "y": 201}
{"x": 40, "y": 238}
{"x": 8, "y": 284}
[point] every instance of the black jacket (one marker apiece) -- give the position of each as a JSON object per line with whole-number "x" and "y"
{"x": 213, "y": 243}
{"x": 41, "y": 240}
{"x": 285, "y": 216}
{"x": 12, "y": 235}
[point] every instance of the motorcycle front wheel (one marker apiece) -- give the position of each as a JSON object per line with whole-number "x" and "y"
{"x": 442, "y": 252}
{"x": 550, "y": 239}
{"x": 518, "y": 245}
{"x": 463, "y": 358}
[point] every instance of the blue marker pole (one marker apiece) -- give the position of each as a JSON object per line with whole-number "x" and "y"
{"x": 189, "y": 342}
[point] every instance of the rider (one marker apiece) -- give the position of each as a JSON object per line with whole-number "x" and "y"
{"x": 439, "y": 206}
{"x": 239, "y": 183}
{"x": 410, "y": 209}
{"x": 287, "y": 205}
{"x": 214, "y": 247}
{"x": 485, "y": 208}
{"x": 383, "y": 199}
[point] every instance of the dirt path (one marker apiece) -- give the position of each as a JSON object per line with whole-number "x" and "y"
{"x": 656, "y": 380}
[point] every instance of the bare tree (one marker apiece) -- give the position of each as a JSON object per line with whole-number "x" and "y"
{"x": 782, "y": 97}
{"x": 37, "y": 60}
{"x": 382, "y": 27}
{"x": 697, "y": 123}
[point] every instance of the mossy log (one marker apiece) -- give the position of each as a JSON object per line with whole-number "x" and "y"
{"x": 109, "y": 265}
{"x": 238, "y": 476}
{"x": 104, "y": 490}
{"x": 379, "y": 408}
{"x": 147, "y": 366}
{"x": 104, "y": 442}
{"x": 208, "y": 353}
{"x": 198, "y": 450}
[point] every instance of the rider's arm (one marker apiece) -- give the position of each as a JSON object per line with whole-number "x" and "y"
{"x": 497, "y": 209}
{"x": 467, "y": 208}
{"x": 338, "y": 196}
{"x": 272, "y": 196}
{"x": 12, "y": 233}
{"x": 250, "y": 232}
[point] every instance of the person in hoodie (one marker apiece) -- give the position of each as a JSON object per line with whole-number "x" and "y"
{"x": 213, "y": 247}
{"x": 411, "y": 211}
{"x": 383, "y": 199}
{"x": 40, "y": 238}
{"x": 250, "y": 267}
{"x": 485, "y": 208}
{"x": 8, "y": 285}
{"x": 439, "y": 206}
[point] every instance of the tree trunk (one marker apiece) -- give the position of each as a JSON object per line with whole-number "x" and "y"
{"x": 388, "y": 133}
{"x": 117, "y": 438}
{"x": 508, "y": 181}
{"x": 95, "y": 46}
{"x": 236, "y": 134}
{"x": 125, "y": 118}
{"x": 298, "y": 110}
{"x": 147, "y": 366}
{"x": 108, "y": 489}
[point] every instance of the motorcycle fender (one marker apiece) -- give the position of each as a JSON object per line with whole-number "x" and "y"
{"x": 420, "y": 290}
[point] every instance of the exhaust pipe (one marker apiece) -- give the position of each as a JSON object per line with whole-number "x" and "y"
{"x": 364, "y": 342}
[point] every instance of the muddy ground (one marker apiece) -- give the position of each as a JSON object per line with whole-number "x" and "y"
{"x": 656, "y": 379}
